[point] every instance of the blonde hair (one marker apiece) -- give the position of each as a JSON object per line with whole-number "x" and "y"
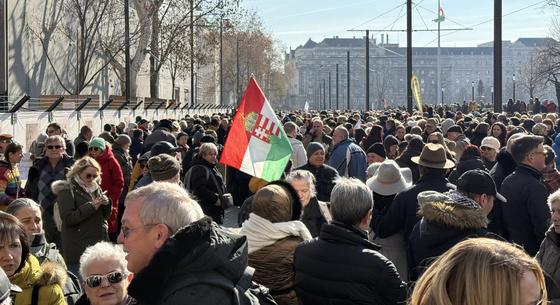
{"x": 81, "y": 164}
{"x": 477, "y": 271}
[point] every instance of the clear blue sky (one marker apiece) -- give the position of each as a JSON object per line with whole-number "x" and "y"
{"x": 294, "y": 21}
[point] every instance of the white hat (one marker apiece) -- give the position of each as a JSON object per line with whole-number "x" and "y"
{"x": 390, "y": 179}
{"x": 491, "y": 142}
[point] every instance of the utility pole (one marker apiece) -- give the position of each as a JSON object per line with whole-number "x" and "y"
{"x": 127, "y": 50}
{"x": 348, "y": 79}
{"x": 367, "y": 70}
{"x": 330, "y": 103}
{"x": 237, "y": 69}
{"x": 324, "y": 95}
{"x": 337, "y": 107}
{"x": 221, "y": 60}
{"x": 497, "y": 55}
{"x": 192, "y": 53}
{"x": 409, "y": 55}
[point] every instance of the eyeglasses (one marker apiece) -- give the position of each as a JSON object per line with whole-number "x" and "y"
{"x": 94, "y": 148}
{"x": 542, "y": 152}
{"x": 6, "y": 141}
{"x": 126, "y": 230}
{"x": 89, "y": 176}
{"x": 54, "y": 146}
{"x": 114, "y": 277}
{"x": 486, "y": 148}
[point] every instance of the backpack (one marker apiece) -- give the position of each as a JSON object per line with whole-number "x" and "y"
{"x": 187, "y": 178}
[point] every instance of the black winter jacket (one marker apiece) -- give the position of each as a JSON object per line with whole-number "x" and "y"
{"x": 342, "y": 267}
{"x": 312, "y": 217}
{"x": 201, "y": 249}
{"x": 324, "y": 180}
{"x": 526, "y": 214}
{"x": 504, "y": 166}
{"x": 463, "y": 166}
{"x": 205, "y": 189}
{"x": 402, "y": 212}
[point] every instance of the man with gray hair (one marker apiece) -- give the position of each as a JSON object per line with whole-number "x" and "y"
{"x": 175, "y": 251}
{"x": 342, "y": 264}
{"x": 299, "y": 158}
{"x": 348, "y": 158}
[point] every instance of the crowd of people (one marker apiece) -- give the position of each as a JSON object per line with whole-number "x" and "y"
{"x": 378, "y": 207}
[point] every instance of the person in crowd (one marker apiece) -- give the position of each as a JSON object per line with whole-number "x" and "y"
{"x": 401, "y": 215}
{"x": 454, "y": 133}
{"x": 273, "y": 232}
{"x": 341, "y": 264}
{"x": 347, "y": 158}
{"x": 7, "y": 289}
{"x": 5, "y": 140}
{"x": 526, "y": 216}
{"x": 488, "y": 151}
{"x": 37, "y": 147}
{"x": 499, "y": 131}
{"x": 317, "y": 134}
{"x": 42, "y": 282}
{"x": 470, "y": 159}
{"x": 137, "y": 145}
{"x": 299, "y": 158}
{"x": 168, "y": 239}
{"x": 121, "y": 147}
{"x": 161, "y": 147}
{"x": 436, "y": 137}
{"x": 400, "y": 133}
{"x": 541, "y": 129}
{"x": 324, "y": 174}
{"x": 82, "y": 150}
{"x": 85, "y": 135}
{"x": 112, "y": 178}
{"x": 479, "y": 133}
{"x": 391, "y": 145}
{"x": 107, "y": 134}
{"x": 164, "y": 168}
{"x": 45, "y": 171}
{"x": 413, "y": 149}
{"x": 54, "y": 129}
{"x": 388, "y": 181}
{"x": 205, "y": 181}
{"x": 549, "y": 250}
{"x": 375, "y": 135}
{"x": 314, "y": 212}
{"x": 83, "y": 208}
{"x": 429, "y": 128}
{"x": 10, "y": 183}
{"x": 551, "y": 176}
{"x": 161, "y": 133}
{"x": 106, "y": 279}
{"x": 183, "y": 147}
{"x": 482, "y": 271}
{"x": 448, "y": 218}
{"x": 376, "y": 153}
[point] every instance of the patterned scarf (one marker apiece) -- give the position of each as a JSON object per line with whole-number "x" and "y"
{"x": 47, "y": 176}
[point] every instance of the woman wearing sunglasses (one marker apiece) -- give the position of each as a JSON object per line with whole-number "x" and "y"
{"x": 10, "y": 184}
{"x": 106, "y": 279}
{"x": 112, "y": 180}
{"x": 42, "y": 282}
{"x": 83, "y": 208}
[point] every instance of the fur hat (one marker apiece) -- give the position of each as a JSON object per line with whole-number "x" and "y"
{"x": 278, "y": 202}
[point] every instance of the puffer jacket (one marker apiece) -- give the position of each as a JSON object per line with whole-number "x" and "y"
{"x": 48, "y": 276}
{"x": 445, "y": 222}
{"x": 274, "y": 267}
{"x": 82, "y": 224}
{"x": 549, "y": 259}
{"x": 112, "y": 181}
{"x": 199, "y": 250}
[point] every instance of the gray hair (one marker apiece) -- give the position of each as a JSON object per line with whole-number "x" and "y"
{"x": 303, "y": 175}
{"x": 351, "y": 200}
{"x": 553, "y": 198}
{"x": 122, "y": 140}
{"x": 342, "y": 130}
{"x": 205, "y": 148}
{"x": 166, "y": 203}
{"x": 290, "y": 127}
{"x": 102, "y": 251}
{"x": 22, "y": 203}
{"x": 56, "y": 138}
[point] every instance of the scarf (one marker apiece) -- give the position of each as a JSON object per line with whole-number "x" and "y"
{"x": 261, "y": 232}
{"x": 47, "y": 176}
{"x": 90, "y": 189}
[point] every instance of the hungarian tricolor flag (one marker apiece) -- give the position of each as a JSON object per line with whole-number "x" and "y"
{"x": 256, "y": 143}
{"x": 441, "y": 15}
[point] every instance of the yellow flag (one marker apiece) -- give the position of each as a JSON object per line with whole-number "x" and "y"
{"x": 416, "y": 91}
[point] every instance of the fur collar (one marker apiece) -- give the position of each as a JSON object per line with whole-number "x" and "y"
{"x": 60, "y": 185}
{"x": 447, "y": 213}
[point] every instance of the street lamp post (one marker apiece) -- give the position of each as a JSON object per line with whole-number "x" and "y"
{"x": 492, "y": 90}
{"x": 442, "y": 100}
{"x": 472, "y": 91}
{"x": 513, "y": 87}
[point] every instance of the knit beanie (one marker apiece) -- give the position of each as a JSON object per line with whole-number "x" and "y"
{"x": 98, "y": 142}
{"x": 378, "y": 149}
{"x": 163, "y": 167}
{"x": 446, "y": 124}
{"x": 313, "y": 147}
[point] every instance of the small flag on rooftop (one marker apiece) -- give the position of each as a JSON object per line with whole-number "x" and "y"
{"x": 256, "y": 143}
{"x": 441, "y": 15}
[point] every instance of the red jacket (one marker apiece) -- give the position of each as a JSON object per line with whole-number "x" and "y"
{"x": 112, "y": 181}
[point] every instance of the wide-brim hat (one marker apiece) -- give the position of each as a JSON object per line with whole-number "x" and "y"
{"x": 433, "y": 156}
{"x": 389, "y": 179}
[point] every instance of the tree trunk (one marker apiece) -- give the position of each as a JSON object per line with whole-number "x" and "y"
{"x": 557, "y": 87}
{"x": 154, "y": 57}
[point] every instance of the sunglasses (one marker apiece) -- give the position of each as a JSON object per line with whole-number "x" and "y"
{"x": 93, "y": 148}
{"x": 485, "y": 148}
{"x": 54, "y": 146}
{"x": 89, "y": 176}
{"x": 6, "y": 141}
{"x": 114, "y": 277}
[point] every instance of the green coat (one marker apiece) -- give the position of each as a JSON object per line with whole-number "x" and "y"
{"x": 82, "y": 224}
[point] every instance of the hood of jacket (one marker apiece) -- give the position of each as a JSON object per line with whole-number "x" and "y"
{"x": 32, "y": 273}
{"x": 453, "y": 211}
{"x": 60, "y": 185}
{"x": 200, "y": 247}
{"x": 106, "y": 156}
{"x": 505, "y": 160}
